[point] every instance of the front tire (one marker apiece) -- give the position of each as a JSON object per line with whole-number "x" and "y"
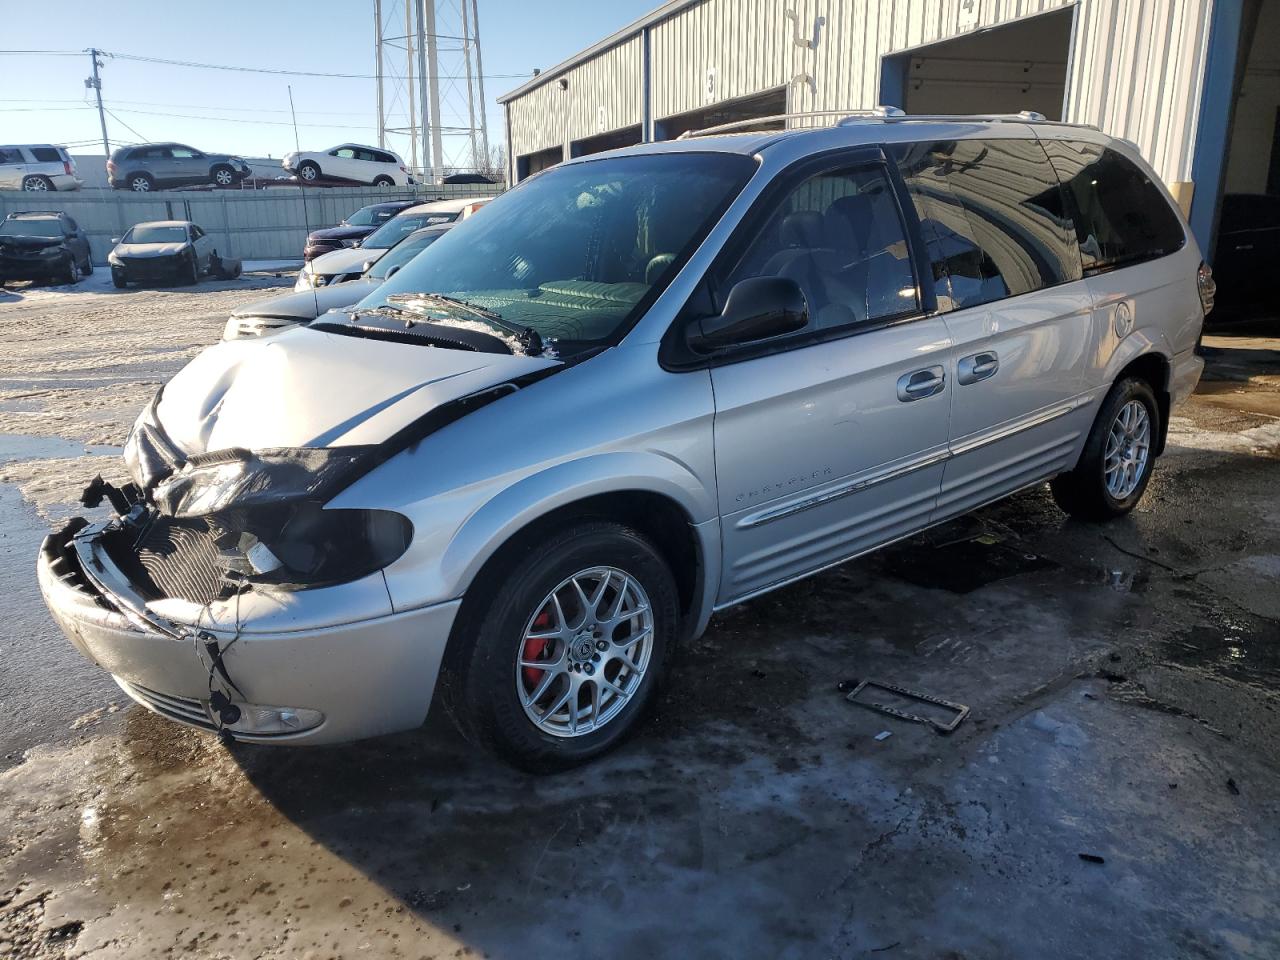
{"x": 309, "y": 171}
{"x": 568, "y": 650}
{"x": 72, "y": 273}
{"x": 37, "y": 184}
{"x": 189, "y": 274}
{"x": 224, "y": 176}
{"x": 118, "y": 280}
{"x": 1115, "y": 467}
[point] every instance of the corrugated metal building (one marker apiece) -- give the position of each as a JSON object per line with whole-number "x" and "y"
{"x": 1186, "y": 80}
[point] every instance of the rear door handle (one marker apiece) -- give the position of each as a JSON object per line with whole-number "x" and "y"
{"x": 921, "y": 383}
{"x": 977, "y": 367}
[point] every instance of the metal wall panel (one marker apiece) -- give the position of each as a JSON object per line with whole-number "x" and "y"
{"x": 604, "y": 93}
{"x": 250, "y": 224}
{"x": 1137, "y": 70}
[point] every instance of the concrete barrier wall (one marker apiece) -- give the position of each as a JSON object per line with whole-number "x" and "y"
{"x": 269, "y": 224}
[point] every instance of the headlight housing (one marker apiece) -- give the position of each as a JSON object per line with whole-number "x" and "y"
{"x": 267, "y": 515}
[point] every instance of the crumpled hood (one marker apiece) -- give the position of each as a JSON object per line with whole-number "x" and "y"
{"x": 26, "y": 243}
{"x": 309, "y": 304}
{"x": 140, "y": 251}
{"x": 307, "y": 388}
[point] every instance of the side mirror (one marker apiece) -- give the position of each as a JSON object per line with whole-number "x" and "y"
{"x": 367, "y": 264}
{"x": 114, "y": 241}
{"x": 356, "y": 243}
{"x": 756, "y": 309}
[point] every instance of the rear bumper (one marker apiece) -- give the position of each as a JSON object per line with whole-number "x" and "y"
{"x": 367, "y": 678}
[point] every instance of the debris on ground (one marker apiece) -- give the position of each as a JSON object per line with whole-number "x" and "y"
{"x": 1092, "y": 858}
{"x": 944, "y": 719}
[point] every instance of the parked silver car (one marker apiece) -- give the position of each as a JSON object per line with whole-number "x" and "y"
{"x": 264, "y": 318}
{"x": 647, "y": 385}
{"x": 176, "y": 251}
{"x": 37, "y": 168}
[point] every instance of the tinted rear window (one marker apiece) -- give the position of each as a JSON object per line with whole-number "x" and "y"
{"x": 1120, "y": 216}
{"x": 992, "y": 216}
{"x": 46, "y": 154}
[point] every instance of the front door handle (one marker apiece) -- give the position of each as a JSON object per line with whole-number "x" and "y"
{"x": 921, "y": 383}
{"x": 977, "y": 367}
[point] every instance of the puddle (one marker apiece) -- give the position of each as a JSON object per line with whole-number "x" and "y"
{"x": 962, "y": 566}
{"x": 1229, "y": 647}
{"x": 17, "y": 446}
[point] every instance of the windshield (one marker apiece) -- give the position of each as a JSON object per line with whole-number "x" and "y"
{"x": 31, "y": 228}
{"x": 397, "y": 228}
{"x": 401, "y": 254}
{"x": 370, "y": 216}
{"x": 572, "y": 252}
{"x": 148, "y": 234}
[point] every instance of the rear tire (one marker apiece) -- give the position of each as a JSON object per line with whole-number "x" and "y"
{"x": 383, "y": 181}
{"x": 141, "y": 183}
{"x": 37, "y": 184}
{"x": 1118, "y": 456}
{"x": 486, "y": 682}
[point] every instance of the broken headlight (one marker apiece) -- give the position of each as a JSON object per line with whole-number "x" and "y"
{"x": 266, "y": 512}
{"x": 301, "y": 544}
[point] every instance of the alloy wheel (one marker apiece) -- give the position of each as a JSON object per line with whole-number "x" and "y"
{"x": 223, "y": 178}
{"x": 585, "y": 652}
{"x": 140, "y": 185}
{"x": 35, "y": 185}
{"x": 1128, "y": 449}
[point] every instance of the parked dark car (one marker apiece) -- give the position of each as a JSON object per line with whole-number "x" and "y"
{"x": 355, "y": 228}
{"x": 177, "y": 251}
{"x": 1248, "y": 250}
{"x": 156, "y": 166}
{"x": 43, "y": 246}
{"x": 467, "y": 178}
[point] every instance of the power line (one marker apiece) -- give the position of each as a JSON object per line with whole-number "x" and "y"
{"x": 277, "y": 72}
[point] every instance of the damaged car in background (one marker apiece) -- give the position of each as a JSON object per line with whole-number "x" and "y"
{"x": 646, "y": 385}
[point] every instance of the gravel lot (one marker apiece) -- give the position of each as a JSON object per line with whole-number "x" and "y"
{"x": 1114, "y": 792}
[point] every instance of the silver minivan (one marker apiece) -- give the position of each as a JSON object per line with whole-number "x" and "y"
{"x": 37, "y": 168}
{"x": 638, "y": 388}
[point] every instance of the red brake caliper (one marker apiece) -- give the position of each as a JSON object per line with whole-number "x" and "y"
{"x": 534, "y": 646}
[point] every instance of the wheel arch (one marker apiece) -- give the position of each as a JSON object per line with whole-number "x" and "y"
{"x": 1156, "y": 369}
{"x": 659, "y": 506}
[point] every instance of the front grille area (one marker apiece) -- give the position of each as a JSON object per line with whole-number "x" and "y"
{"x": 182, "y": 709}
{"x": 172, "y": 558}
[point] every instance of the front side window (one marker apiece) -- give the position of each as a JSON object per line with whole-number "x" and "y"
{"x": 11, "y": 155}
{"x": 577, "y": 252}
{"x": 1120, "y": 215}
{"x": 196, "y": 233}
{"x": 840, "y": 236}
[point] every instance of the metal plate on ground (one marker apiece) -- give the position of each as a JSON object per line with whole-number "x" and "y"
{"x": 895, "y": 701}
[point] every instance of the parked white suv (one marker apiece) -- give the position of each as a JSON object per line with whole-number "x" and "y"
{"x": 350, "y": 162}
{"x": 37, "y": 168}
{"x": 645, "y": 386}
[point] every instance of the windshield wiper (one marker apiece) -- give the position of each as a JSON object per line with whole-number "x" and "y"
{"x": 529, "y": 338}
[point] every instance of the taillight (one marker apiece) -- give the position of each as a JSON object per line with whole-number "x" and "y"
{"x": 66, "y": 166}
{"x": 111, "y": 167}
{"x": 1207, "y": 286}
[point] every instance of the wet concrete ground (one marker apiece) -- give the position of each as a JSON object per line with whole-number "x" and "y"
{"x": 1113, "y": 793}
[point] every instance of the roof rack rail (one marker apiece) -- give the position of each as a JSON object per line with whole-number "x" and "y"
{"x": 880, "y": 113}
{"x": 884, "y": 114}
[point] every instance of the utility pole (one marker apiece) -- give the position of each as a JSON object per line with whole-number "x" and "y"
{"x": 377, "y": 51}
{"x": 95, "y": 83}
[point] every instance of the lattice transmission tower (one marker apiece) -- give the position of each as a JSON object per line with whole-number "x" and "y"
{"x": 430, "y": 85}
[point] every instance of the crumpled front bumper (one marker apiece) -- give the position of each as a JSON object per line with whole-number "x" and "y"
{"x": 368, "y": 677}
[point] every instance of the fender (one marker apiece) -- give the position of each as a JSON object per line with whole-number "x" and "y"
{"x": 1137, "y": 344}
{"x": 534, "y": 496}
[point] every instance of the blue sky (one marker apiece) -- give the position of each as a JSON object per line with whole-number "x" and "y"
{"x": 43, "y": 98}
